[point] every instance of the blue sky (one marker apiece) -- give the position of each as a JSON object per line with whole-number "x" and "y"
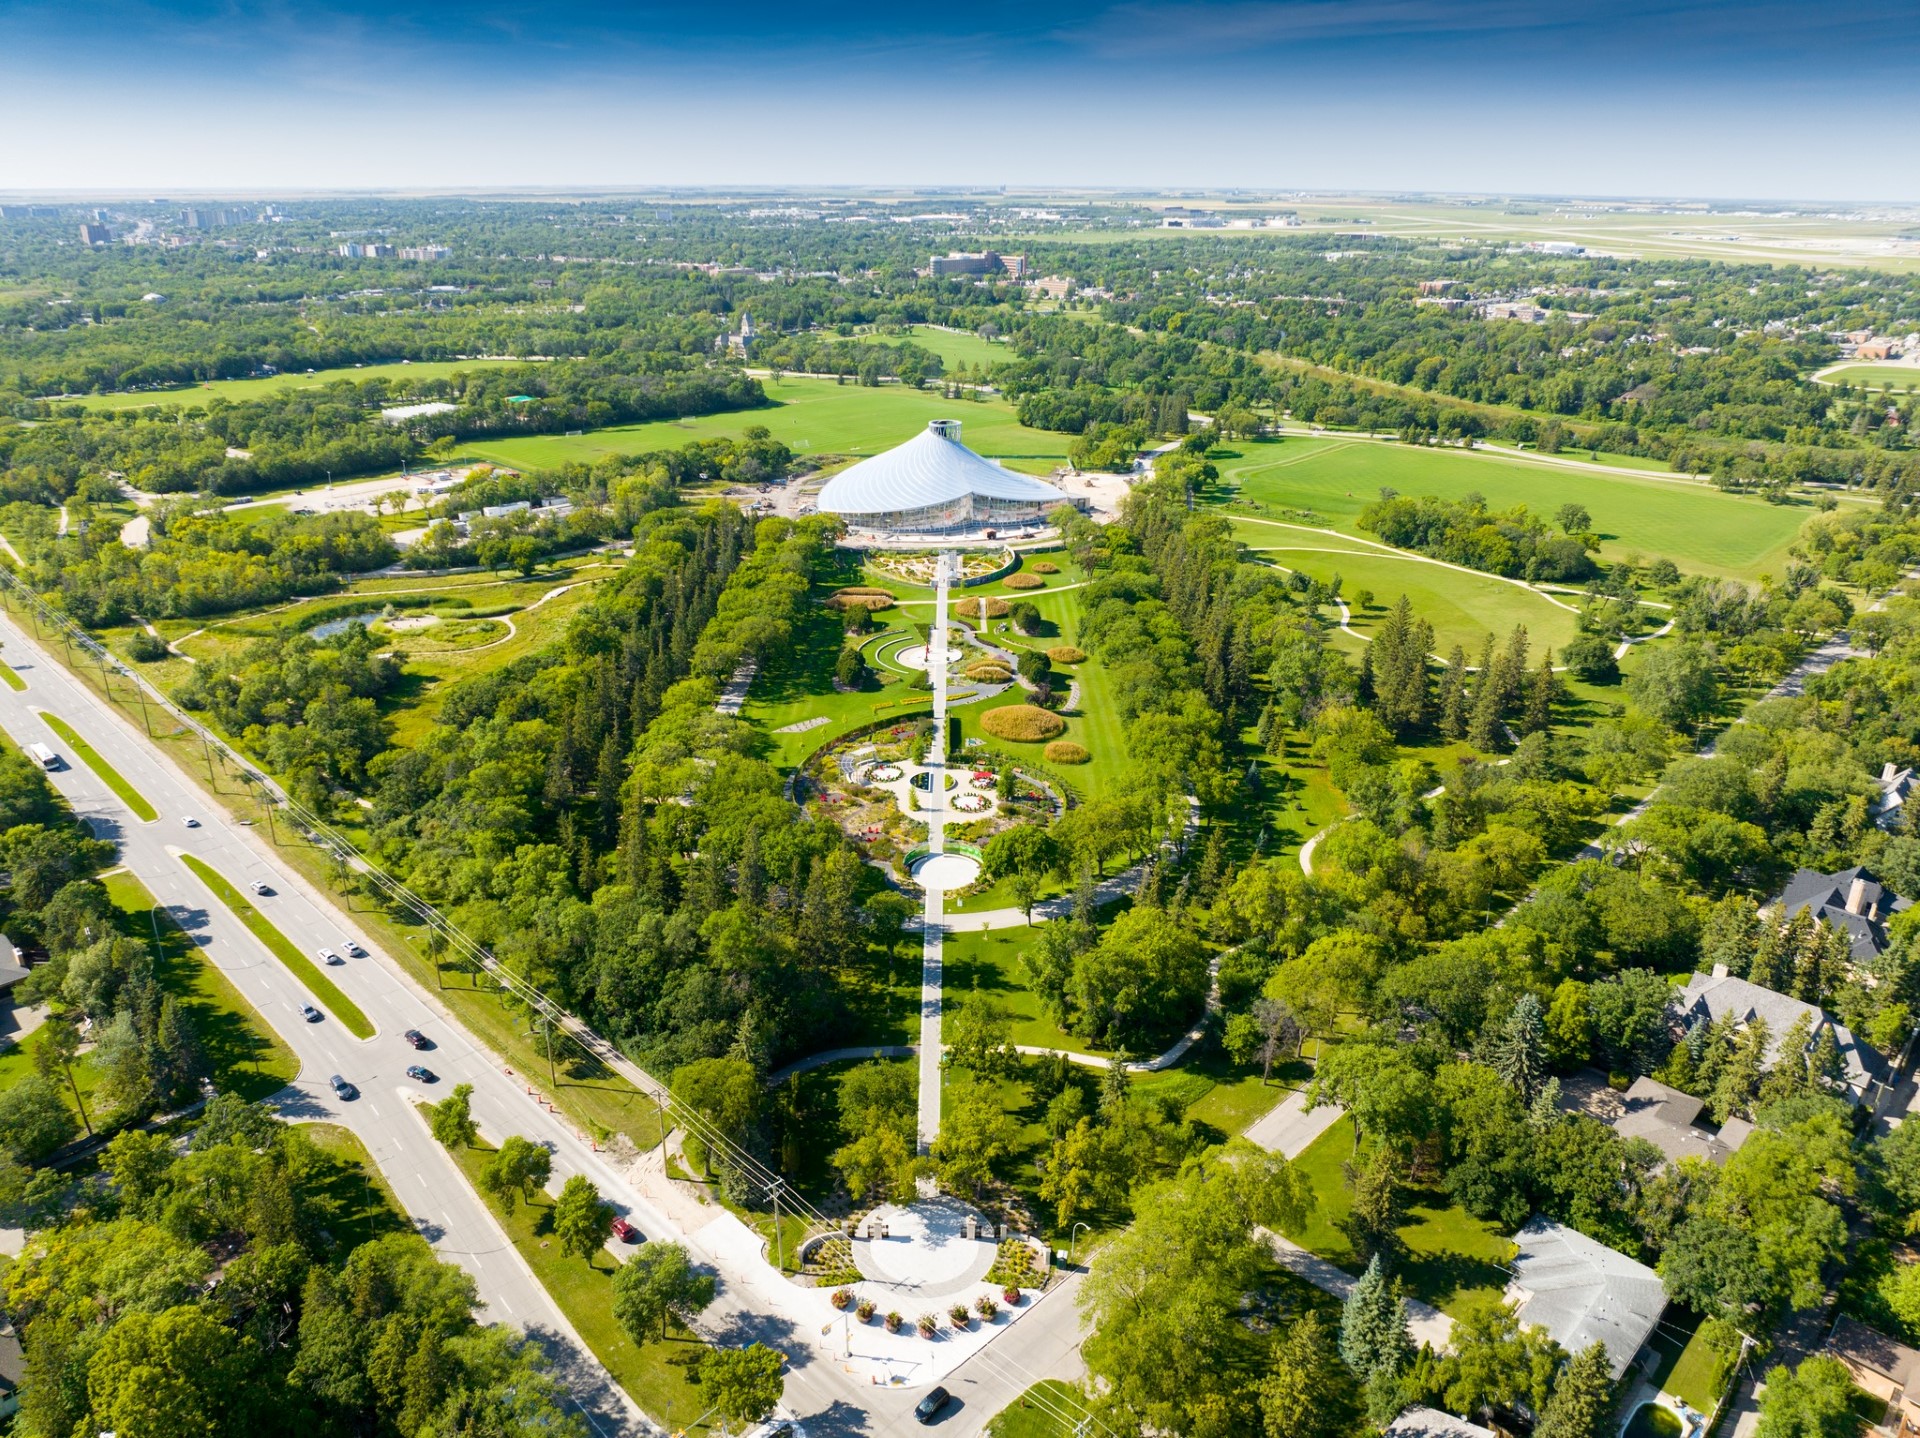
{"x": 1639, "y": 97}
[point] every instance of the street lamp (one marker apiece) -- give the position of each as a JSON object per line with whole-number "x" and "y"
{"x": 1073, "y": 1237}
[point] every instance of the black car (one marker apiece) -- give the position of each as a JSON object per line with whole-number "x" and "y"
{"x": 933, "y": 1405}
{"x": 416, "y": 1039}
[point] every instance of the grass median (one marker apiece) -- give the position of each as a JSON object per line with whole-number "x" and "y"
{"x": 656, "y": 1375}
{"x": 89, "y": 756}
{"x": 10, "y": 678}
{"x": 282, "y": 948}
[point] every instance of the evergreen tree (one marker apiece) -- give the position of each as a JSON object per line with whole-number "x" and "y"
{"x": 1373, "y": 1223}
{"x": 1731, "y": 936}
{"x": 1453, "y": 695}
{"x": 1520, "y": 1049}
{"x": 1374, "y": 1338}
{"x": 1581, "y": 1405}
{"x": 1541, "y": 693}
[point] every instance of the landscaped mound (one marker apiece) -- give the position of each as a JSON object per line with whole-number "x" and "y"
{"x": 987, "y": 671}
{"x": 1044, "y": 566}
{"x": 1024, "y": 581}
{"x": 983, "y": 608}
{"x": 1065, "y": 751}
{"x": 860, "y": 597}
{"x": 1066, "y": 654}
{"x": 1022, "y": 723}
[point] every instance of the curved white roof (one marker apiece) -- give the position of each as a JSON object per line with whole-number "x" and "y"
{"x": 931, "y": 468}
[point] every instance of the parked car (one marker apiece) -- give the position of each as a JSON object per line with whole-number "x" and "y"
{"x": 310, "y": 1013}
{"x": 421, "y": 1074}
{"x": 328, "y": 956}
{"x": 625, "y": 1231}
{"x": 933, "y": 1405}
{"x": 344, "y": 1089}
{"x": 259, "y": 886}
{"x": 416, "y": 1038}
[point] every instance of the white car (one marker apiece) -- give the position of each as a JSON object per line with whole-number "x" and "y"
{"x": 328, "y": 956}
{"x": 353, "y": 948}
{"x": 190, "y": 822}
{"x": 259, "y": 886}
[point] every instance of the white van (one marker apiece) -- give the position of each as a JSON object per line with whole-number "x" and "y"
{"x": 43, "y": 756}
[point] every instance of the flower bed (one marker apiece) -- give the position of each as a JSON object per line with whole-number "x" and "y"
{"x": 971, "y": 803}
{"x": 884, "y": 774}
{"x": 1015, "y": 1267}
{"x": 1022, "y": 723}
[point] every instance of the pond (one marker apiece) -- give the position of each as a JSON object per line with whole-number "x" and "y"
{"x": 340, "y": 626}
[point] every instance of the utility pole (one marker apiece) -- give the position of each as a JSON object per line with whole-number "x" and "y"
{"x": 779, "y": 1235}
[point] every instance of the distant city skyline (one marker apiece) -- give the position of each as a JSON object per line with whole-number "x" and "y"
{"x": 1644, "y": 98}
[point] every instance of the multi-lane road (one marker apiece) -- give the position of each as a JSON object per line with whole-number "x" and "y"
{"x": 753, "y": 1302}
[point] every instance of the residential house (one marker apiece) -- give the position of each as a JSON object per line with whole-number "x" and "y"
{"x": 1582, "y": 1292}
{"x": 1885, "y": 1369}
{"x": 1708, "y": 998}
{"x": 1895, "y": 786}
{"x": 13, "y": 1370}
{"x": 1852, "y": 900}
{"x": 1670, "y": 1121}
{"x": 1432, "y": 1423}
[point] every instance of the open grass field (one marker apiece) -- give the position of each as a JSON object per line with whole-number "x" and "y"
{"x": 813, "y": 417}
{"x": 1451, "y": 1256}
{"x": 654, "y": 1375}
{"x": 364, "y": 1204}
{"x": 243, "y": 1053}
{"x": 1897, "y": 377}
{"x": 957, "y": 348}
{"x": 1462, "y": 607}
{"x": 109, "y": 775}
{"x": 1699, "y": 528}
{"x": 284, "y": 949}
{"x": 239, "y": 389}
{"x": 987, "y": 962}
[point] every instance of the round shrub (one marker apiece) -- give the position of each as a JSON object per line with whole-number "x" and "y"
{"x": 1026, "y": 616}
{"x": 1044, "y": 566}
{"x": 983, "y": 608}
{"x": 986, "y": 671}
{"x": 1066, "y": 654}
{"x": 1022, "y": 723}
{"x": 145, "y": 648}
{"x": 1024, "y": 581}
{"x": 1065, "y": 751}
{"x": 871, "y": 600}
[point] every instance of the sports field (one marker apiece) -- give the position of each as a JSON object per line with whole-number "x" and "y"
{"x": 239, "y": 389}
{"x": 954, "y": 347}
{"x": 814, "y": 417}
{"x": 1699, "y": 528}
{"x": 1874, "y": 376}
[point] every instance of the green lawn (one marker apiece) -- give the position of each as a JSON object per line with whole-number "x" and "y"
{"x": 234, "y": 390}
{"x": 284, "y": 949}
{"x": 128, "y": 795}
{"x": 955, "y": 348}
{"x": 656, "y": 1375}
{"x": 1692, "y": 1371}
{"x": 1049, "y": 1409}
{"x": 10, "y": 677}
{"x": 1696, "y": 526}
{"x": 814, "y": 417}
{"x": 1451, "y": 1256}
{"x": 1462, "y": 608}
{"x": 364, "y": 1204}
{"x": 988, "y": 961}
{"x": 243, "y": 1053}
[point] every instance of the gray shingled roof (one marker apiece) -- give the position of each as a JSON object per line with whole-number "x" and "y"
{"x": 1711, "y": 997}
{"x": 1825, "y": 896}
{"x": 1582, "y": 1292}
{"x": 1432, "y": 1423}
{"x": 1670, "y": 1121}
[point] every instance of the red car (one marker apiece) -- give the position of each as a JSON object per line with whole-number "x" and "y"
{"x": 415, "y": 1037}
{"x": 625, "y": 1231}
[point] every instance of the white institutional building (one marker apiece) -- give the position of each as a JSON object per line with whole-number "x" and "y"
{"x": 935, "y": 485}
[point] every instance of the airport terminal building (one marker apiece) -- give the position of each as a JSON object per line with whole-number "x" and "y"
{"x": 934, "y": 485}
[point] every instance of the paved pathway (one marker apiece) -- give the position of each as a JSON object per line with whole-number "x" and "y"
{"x": 932, "y": 925}
{"x": 734, "y": 696}
{"x": 1289, "y": 1126}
